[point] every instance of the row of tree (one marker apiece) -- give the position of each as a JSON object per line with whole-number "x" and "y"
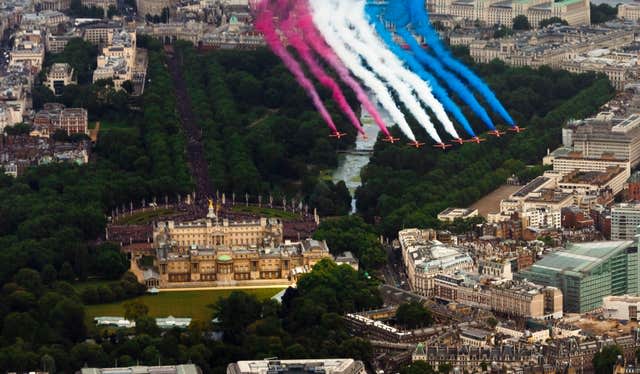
{"x": 261, "y": 133}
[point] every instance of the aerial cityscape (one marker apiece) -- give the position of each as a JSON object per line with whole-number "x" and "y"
{"x": 319, "y": 186}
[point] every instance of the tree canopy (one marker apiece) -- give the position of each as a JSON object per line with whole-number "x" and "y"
{"x": 552, "y": 21}
{"x": 261, "y": 133}
{"x": 352, "y": 233}
{"x": 521, "y": 22}
{"x": 413, "y": 315}
{"x": 604, "y": 360}
{"x": 602, "y": 13}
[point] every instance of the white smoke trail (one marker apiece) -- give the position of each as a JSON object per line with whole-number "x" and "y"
{"x": 330, "y": 12}
{"x": 322, "y": 19}
{"x": 355, "y": 11}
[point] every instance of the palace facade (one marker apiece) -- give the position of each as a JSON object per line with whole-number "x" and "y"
{"x": 212, "y": 252}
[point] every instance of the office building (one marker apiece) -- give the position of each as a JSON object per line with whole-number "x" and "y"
{"x": 608, "y": 137}
{"x": 551, "y": 46}
{"x": 507, "y": 298}
{"x": 173, "y": 369}
{"x": 451, "y": 214}
{"x": 623, "y": 307}
{"x": 629, "y": 12}
{"x": 502, "y": 12}
{"x": 59, "y": 5}
{"x": 587, "y": 272}
{"x": 325, "y": 366}
{"x": 625, "y": 219}
{"x": 155, "y": 7}
{"x": 424, "y": 258}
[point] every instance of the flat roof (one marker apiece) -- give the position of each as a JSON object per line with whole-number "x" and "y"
{"x": 581, "y": 257}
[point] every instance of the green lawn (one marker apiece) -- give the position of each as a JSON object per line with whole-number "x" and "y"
{"x": 192, "y": 304}
{"x": 144, "y": 217}
{"x": 266, "y": 212}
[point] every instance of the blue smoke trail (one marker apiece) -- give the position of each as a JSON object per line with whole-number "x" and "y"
{"x": 420, "y": 20}
{"x": 408, "y": 59}
{"x": 394, "y": 14}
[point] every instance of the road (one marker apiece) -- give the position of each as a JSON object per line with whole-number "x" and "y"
{"x": 195, "y": 150}
{"x": 393, "y": 271}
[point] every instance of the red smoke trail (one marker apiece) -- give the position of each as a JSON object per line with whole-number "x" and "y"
{"x": 264, "y": 23}
{"x": 313, "y": 36}
{"x": 295, "y": 39}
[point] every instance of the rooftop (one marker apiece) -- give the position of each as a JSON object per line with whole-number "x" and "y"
{"x": 177, "y": 369}
{"x": 579, "y": 258}
{"x": 325, "y": 366}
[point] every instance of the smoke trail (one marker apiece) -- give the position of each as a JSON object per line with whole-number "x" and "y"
{"x": 396, "y": 13}
{"x": 312, "y": 36}
{"x": 420, "y": 21}
{"x": 264, "y": 23}
{"x": 387, "y": 72}
{"x": 421, "y": 89}
{"x": 294, "y": 38}
{"x": 437, "y": 90}
{"x": 322, "y": 18}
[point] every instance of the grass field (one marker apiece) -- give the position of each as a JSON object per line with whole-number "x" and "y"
{"x": 144, "y": 217}
{"x": 266, "y": 212}
{"x": 194, "y": 304}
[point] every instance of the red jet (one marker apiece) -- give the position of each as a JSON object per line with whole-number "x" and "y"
{"x": 442, "y": 146}
{"x": 458, "y": 141}
{"x": 390, "y": 139}
{"x": 338, "y": 135}
{"x": 517, "y": 129}
{"x": 496, "y": 133}
{"x": 476, "y": 140}
{"x": 415, "y": 144}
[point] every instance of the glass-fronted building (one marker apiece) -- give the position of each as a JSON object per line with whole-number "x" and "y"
{"x": 586, "y": 272}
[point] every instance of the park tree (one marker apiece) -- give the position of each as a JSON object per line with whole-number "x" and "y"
{"x": 18, "y": 129}
{"x": 602, "y": 13}
{"x": 66, "y": 272}
{"x": 49, "y": 274}
{"x": 502, "y": 31}
{"x": 127, "y": 86}
{"x": 417, "y": 367}
{"x": 604, "y": 360}
{"x": 521, "y": 22}
{"x": 110, "y": 262}
{"x": 147, "y": 325}
{"x": 133, "y": 310}
{"x": 235, "y": 313}
{"x": 351, "y": 233}
{"x": 552, "y": 21}
{"x": 81, "y": 55}
{"x": 413, "y": 315}
{"x": 30, "y": 280}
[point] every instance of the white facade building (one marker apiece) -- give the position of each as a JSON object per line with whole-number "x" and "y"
{"x": 625, "y": 219}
